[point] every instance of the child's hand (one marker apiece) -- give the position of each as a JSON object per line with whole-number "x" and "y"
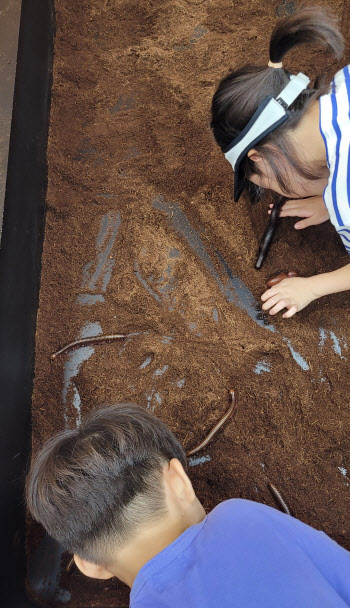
{"x": 313, "y": 209}
{"x": 293, "y": 294}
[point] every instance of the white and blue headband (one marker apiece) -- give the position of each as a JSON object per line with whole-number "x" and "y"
{"x": 271, "y": 113}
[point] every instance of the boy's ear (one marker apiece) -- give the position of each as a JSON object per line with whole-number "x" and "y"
{"x": 179, "y": 481}
{"x": 254, "y": 155}
{"x": 92, "y": 570}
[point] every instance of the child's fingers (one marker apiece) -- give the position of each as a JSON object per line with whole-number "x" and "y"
{"x": 309, "y": 221}
{"x": 285, "y": 207}
{"x": 292, "y": 310}
{"x": 286, "y": 203}
{"x": 301, "y": 205}
{"x": 281, "y": 304}
{"x": 270, "y": 302}
{"x": 294, "y": 212}
{"x": 290, "y": 203}
{"x": 269, "y": 293}
{"x": 294, "y": 201}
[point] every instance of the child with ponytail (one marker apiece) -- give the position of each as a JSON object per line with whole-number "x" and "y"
{"x": 279, "y": 132}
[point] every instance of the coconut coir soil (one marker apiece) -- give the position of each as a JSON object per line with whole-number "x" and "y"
{"x": 142, "y": 236}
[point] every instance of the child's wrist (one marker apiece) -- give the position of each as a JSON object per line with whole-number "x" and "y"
{"x": 320, "y": 285}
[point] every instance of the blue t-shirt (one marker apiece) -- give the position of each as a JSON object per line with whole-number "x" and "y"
{"x": 246, "y": 555}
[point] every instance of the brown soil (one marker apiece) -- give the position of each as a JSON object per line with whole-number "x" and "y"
{"x": 129, "y": 135}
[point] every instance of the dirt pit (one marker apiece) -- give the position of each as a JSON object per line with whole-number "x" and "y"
{"x": 142, "y": 237}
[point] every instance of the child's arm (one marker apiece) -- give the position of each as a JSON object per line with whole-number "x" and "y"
{"x": 313, "y": 209}
{"x": 298, "y": 292}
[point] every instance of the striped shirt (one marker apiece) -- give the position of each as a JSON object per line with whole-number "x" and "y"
{"x": 335, "y": 130}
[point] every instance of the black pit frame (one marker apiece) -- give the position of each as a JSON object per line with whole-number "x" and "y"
{"x": 20, "y": 266}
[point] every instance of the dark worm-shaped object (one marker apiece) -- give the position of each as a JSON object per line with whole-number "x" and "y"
{"x": 269, "y": 232}
{"x": 218, "y": 426}
{"x": 280, "y": 277}
{"x": 278, "y": 498}
{"x": 88, "y": 342}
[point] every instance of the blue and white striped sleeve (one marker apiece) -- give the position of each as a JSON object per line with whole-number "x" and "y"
{"x": 344, "y": 234}
{"x": 335, "y": 129}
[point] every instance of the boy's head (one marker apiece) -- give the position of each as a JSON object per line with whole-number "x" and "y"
{"x": 93, "y": 488}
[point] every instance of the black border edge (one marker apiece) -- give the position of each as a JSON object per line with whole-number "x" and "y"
{"x": 20, "y": 266}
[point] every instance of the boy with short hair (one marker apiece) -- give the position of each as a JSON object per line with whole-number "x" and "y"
{"x": 116, "y": 494}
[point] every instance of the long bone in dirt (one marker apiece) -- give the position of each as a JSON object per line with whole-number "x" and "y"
{"x": 88, "y": 342}
{"x": 278, "y": 498}
{"x": 218, "y": 426}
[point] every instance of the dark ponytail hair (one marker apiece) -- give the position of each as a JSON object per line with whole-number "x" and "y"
{"x": 241, "y": 92}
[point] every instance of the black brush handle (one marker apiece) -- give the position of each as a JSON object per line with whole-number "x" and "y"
{"x": 269, "y": 232}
